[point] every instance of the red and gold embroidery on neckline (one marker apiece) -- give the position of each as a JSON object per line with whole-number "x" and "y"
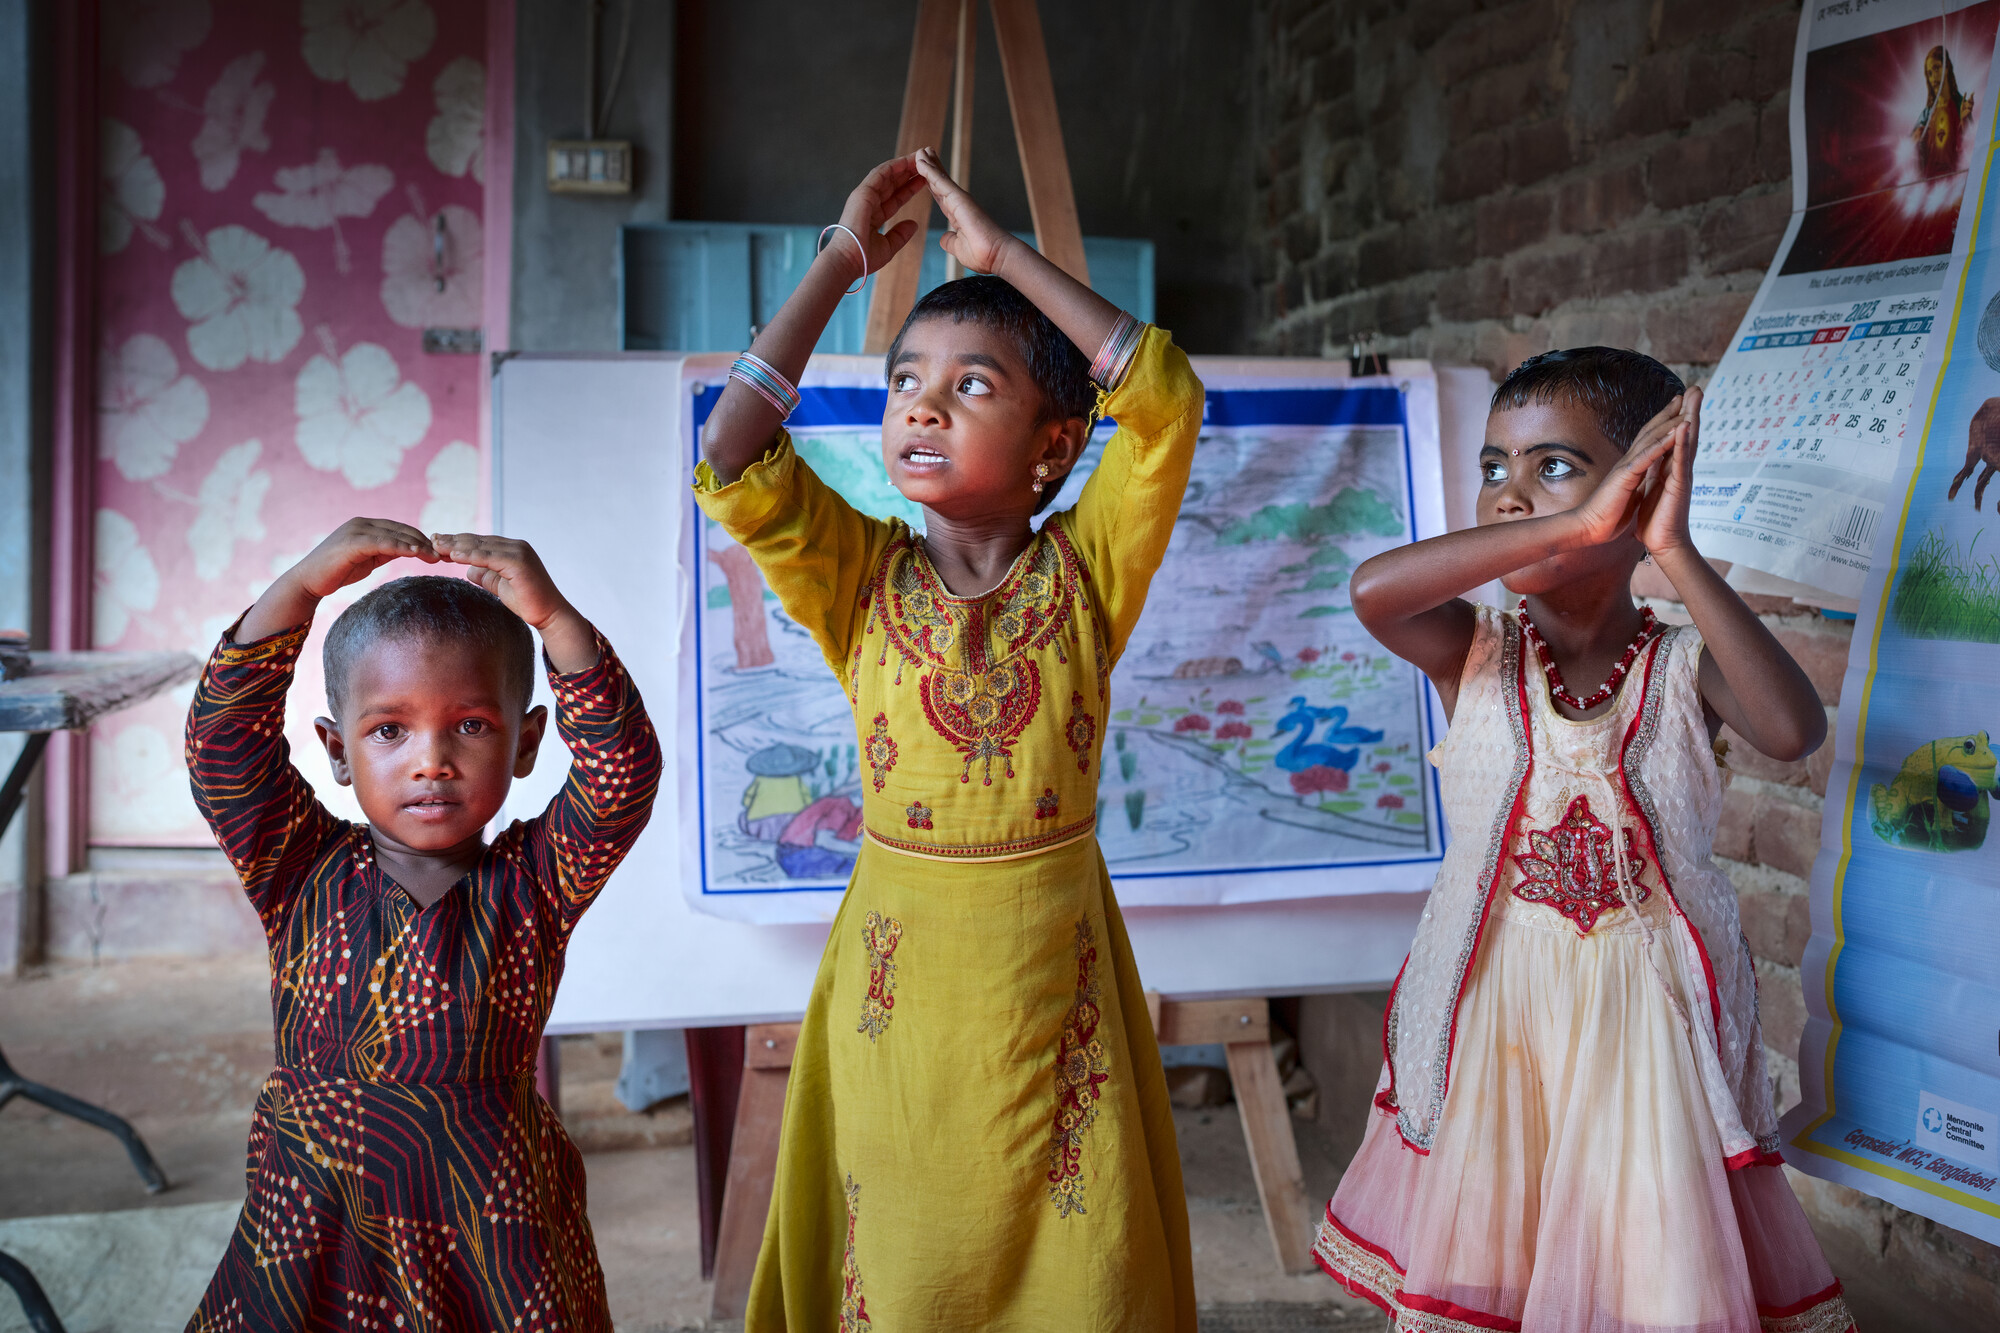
{"x": 853, "y": 1306}
{"x": 879, "y": 935}
{"x": 1574, "y": 868}
{"x": 978, "y": 679}
{"x": 1082, "y": 1068}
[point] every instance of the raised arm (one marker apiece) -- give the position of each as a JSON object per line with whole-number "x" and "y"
{"x": 743, "y": 423}
{"x": 1410, "y": 598}
{"x": 980, "y": 244}
{"x": 1746, "y": 675}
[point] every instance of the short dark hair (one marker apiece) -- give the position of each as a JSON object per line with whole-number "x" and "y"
{"x": 1623, "y": 389}
{"x": 1059, "y": 370}
{"x": 435, "y": 609}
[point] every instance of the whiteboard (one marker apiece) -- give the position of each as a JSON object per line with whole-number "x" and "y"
{"x": 585, "y": 467}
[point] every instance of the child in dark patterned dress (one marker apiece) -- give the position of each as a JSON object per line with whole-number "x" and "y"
{"x": 403, "y": 1173}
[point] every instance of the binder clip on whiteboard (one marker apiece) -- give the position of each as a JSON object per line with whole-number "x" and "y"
{"x": 1364, "y": 359}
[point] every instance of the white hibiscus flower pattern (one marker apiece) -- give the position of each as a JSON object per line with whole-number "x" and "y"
{"x": 138, "y": 779}
{"x": 233, "y": 120}
{"x": 240, "y": 296}
{"x": 366, "y": 44}
{"x": 458, "y": 131}
{"x": 452, "y": 477}
{"x": 146, "y": 409}
{"x": 132, "y": 193}
{"x": 410, "y": 271}
{"x": 146, "y": 39}
{"x": 319, "y": 194}
{"x": 125, "y": 581}
{"x": 231, "y": 509}
{"x": 358, "y": 416}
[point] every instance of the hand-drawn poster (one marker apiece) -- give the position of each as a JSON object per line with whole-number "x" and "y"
{"x": 1804, "y": 418}
{"x": 1898, "y": 1066}
{"x": 1260, "y": 745}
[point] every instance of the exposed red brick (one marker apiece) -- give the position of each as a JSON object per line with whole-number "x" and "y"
{"x": 1652, "y": 97}
{"x": 1495, "y": 97}
{"x": 1653, "y": 260}
{"x": 1695, "y": 329}
{"x": 1690, "y": 21}
{"x": 1774, "y": 140}
{"x": 1823, "y": 654}
{"x": 1404, "y": 308}
{"x": 1475, "y": 292}
{"x": 1505, "y": 223}
{"x": 1470, "y": 169}
{"x": 1431, "y": 20}
{"x": 1593, "y": 203}
{"x": 1539, "y": 282}
{"x": 1747, "y": 761}
{"x": 1819, "y": 765}
{"x": 1732, "y": 832}
{"x": 1499, "y": 36}
{"x": 1777, "y": 925}
{"x": 1714, "y": 80}
{"x": 1538, "y": 150}
{"x": 1772, "y": 39}
{"x": 1703, "y": 165}
{"x": 1594, "y": 327}
{"x": 1786, "y": 837}
{"x": 1781, "y": 1007}
{"x": 1743, "y": 233}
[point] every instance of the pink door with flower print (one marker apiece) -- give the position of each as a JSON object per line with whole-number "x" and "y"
{"x": 290, "y": 194}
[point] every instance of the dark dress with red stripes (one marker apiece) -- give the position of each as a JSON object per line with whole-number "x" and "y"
{"x": 403, "y": 1172}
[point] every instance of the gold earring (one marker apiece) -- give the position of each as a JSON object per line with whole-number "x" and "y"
{"x": 1041, "y": 475}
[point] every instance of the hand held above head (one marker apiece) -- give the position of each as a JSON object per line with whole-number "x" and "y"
{"x": 1630, "y": 490}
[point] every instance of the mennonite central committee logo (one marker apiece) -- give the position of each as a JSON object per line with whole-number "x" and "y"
{"x": 1933, "y": 1119}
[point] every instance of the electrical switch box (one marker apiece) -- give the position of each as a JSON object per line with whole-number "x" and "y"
{"x": 590, "y": 166}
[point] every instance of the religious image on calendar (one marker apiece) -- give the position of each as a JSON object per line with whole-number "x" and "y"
{"x": 1805, "y": 418}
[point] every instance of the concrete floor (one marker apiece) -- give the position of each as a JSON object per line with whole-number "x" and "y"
{"x": 181, "y": 1047}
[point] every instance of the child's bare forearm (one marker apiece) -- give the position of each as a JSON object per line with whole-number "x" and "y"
{"x": 1085, "y": 318}
{"x": 282, "y": 605}
{"x": 743, "y": 424}
{"x": 1410, "y": 581}
{"x": 1748, "y": 678}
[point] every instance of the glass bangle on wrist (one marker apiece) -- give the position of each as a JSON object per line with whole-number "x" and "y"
{"x": 1115, "y": 357}
{"x": 763, "y": 379}
{"x": 862, "y": 249}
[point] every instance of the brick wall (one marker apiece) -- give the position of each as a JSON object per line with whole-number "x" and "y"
{"x": 1480, "y": 183}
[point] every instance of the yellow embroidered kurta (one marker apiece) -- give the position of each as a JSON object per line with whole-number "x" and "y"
{"x": 977, "y": 1133}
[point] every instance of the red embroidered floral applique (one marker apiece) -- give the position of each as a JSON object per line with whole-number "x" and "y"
{"x": 1046, "y": 803}
{"x": 880, "y": 750}
{"x": 1081, "y": 1070}
{"x": 1572, "y": 867}
{"x": 853, "y": 1307}
{"x": 919, "y": 814}
{"x": 1080, "y": 732}
{"x": 880, "y": 934}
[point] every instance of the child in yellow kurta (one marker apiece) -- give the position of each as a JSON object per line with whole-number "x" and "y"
{"x": 977, "y": 1133}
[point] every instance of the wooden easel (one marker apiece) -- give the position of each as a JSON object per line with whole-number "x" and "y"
{"x": 942, "y": 49}
{"x": 941, "y": 65}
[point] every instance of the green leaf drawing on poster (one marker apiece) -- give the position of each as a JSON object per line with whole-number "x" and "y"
{"x": 1352, "y": 513}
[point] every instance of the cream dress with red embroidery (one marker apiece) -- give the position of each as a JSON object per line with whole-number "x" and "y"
{"x": 977, "y": 1133}
{"x": 1573, "y": 1131}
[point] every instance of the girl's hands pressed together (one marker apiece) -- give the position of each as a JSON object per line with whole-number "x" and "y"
{"x": 1663, "y": 511}
{"x": 1627, "y": 492}
{"x": 511, "y": 571}
{"x": 971, "y": 237}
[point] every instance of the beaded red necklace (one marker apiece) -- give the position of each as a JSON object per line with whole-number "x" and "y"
{"x": 1559, "y": 692}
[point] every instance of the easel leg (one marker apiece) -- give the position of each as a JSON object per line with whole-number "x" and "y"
{"x": 1274, "y": 1152}
{"x": 34, "y": 1302}
{"x": 753, "y": 1164}
{"x": 1244, "y": 1029}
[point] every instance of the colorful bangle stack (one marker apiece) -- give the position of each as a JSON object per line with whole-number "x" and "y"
{"x": 765, "y": 381}
{"x": 1115, "y": 357}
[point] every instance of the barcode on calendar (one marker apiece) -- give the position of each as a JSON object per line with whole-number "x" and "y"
{"x": 1852, "y": 528}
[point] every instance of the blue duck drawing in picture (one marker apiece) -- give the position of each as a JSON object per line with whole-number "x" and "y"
{"x": 1303, "y": 755}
